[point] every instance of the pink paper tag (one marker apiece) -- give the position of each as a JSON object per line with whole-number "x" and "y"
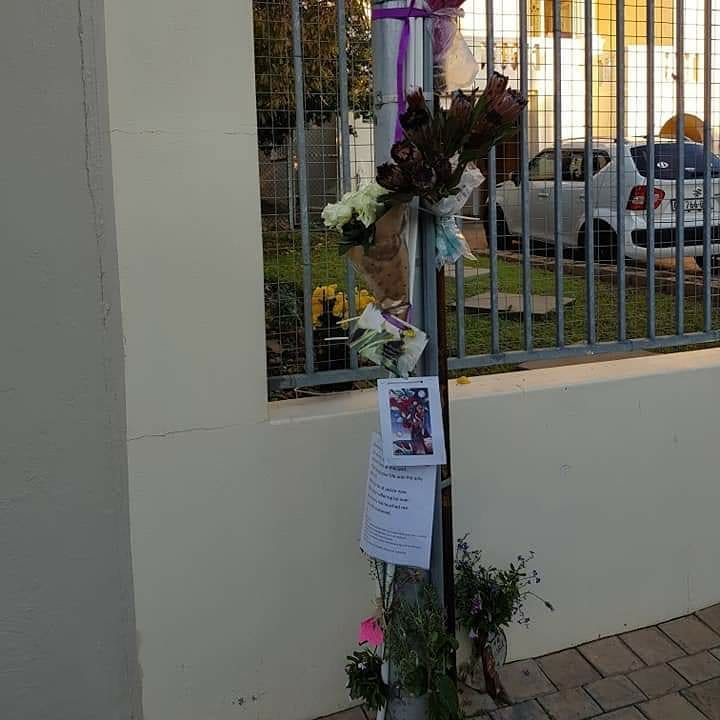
{"x": 370, "y": 632}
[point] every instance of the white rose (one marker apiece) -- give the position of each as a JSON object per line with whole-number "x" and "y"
{"x": 367, "y": 213}
{"x": 335, "y": 215}
{"x": 373, "y": 190}
{"x": 366, "y": 203}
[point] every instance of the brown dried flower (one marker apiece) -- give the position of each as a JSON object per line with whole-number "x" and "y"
{"x": 392, "y": 178}
{"x": 416, "y": 115}
{"x": 496, "y": 86}
{"x": 405, "y": 153}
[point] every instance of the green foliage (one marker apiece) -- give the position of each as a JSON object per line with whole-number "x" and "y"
{"x": 274, "y": 74}
{"x": 365, "y": 680}
{"x": 355, "y": 233}
{"x": 420, "y": 648}
{"x": 489, "y": 598}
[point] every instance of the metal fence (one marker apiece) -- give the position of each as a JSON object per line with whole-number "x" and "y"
{"x": 595, "y": 231}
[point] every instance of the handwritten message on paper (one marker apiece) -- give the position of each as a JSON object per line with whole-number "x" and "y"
{"x": 398, "y": 515}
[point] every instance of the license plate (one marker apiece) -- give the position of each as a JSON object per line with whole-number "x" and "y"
{"x": 691, "y": 204}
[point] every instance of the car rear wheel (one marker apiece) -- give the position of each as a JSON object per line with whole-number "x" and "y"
{"x": 504, "y": 237}
{"x": 604, "y": 243}
{"x": 714, "y": 264}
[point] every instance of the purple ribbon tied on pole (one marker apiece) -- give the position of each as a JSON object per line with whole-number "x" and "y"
{"x": 443, "y": 12}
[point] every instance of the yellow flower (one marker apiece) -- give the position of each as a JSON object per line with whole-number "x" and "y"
{"x": 340, "y": 308}
{"x": 317, "y": 305}
{"x": 327, "y": 298}
{"x": 362, "y": 299}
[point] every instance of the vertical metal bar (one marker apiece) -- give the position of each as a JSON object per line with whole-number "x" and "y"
{"x": 524, "y": 184}
{"x": 303, "y": 184}
{"x": 291, "y": 180}
{"x": 708, "y": 189}
{"x": 345, "y": 172}
{"x": 620, "y": 150}
{"x": 680, "y": 180}
{"x": 650, "y": 192}
{"x": 557, "y": 208}
{"x": 492, "y": 203}
{"x": 589, "y": 224}
{"x": 460, "y": 306}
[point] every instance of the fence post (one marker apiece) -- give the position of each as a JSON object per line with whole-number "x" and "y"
{"x": 419, "y": 73}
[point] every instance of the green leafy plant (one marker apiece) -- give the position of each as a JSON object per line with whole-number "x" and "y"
{"x": 487, "y": 600}
{"x": 421, "y": 649}
{"x": 365, "y": 681}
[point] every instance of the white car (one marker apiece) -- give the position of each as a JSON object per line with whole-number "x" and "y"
{"x": 604, "y": 183}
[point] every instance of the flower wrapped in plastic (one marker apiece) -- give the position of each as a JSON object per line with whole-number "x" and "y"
{"x": 355, "y": 214}
{"x": 433, "y": 161}
{"x": 450, "y": 243}
{"x": 383, "y": 263}
{"x": 388, "y": 341}
{"x": 455, "y": 64}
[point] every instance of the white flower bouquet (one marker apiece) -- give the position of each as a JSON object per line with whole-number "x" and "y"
{"x": 354, "y": 215}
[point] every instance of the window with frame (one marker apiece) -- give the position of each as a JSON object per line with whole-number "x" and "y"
{"x": 566, "y": 17}
{"x": 573, "y": 164}
{"x": 542, "y": 166}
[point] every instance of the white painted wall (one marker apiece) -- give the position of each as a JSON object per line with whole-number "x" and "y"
{"x": 67, "y": 634}
{"x": 249, "y": 582}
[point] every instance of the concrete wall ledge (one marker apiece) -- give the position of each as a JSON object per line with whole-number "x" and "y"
{"x": 564, "y": 377}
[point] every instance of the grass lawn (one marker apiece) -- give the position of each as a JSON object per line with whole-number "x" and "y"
{"x": 283, "y": 265}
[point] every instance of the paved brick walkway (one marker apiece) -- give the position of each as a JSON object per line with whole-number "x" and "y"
{"x": 669, "y": 671}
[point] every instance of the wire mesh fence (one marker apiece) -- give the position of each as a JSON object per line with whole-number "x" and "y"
{"x": 590, "y": 237}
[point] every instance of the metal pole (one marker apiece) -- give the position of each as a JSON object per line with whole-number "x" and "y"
{"x": 589, "y": 224}
{"x": 557, "y": 183}
{"x": 344, "y": 129}
{"x": 707, "y": 169}
{"x": 385, "y": 41}
{"x": 492, "y": 205}
{"x": 680, "y": 183}
{"x": 620, "y": 150}
{"x": 302, "y": 183}
{"x": 525, "y": 183}
{"x": 650, "y": 192}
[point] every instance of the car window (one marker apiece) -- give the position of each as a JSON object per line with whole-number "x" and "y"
{"x": 600, "y": 160}
{"x": 573, "y": 164}
{"x": 541, "y": 167}
{"x": 666, "y": 161}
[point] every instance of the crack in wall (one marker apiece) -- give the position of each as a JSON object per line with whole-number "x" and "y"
{"x": 184, "y": 431}
{"x": 90, "y": 175}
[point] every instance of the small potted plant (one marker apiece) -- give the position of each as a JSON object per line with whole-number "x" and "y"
{"x": 411, "y": 634}
{"x": 487, "y": 600}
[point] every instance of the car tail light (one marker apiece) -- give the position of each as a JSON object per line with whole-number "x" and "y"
{"x": 638, "y": 198}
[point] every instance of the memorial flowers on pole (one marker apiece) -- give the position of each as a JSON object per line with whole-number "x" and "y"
{"x": 434, "y": 162}
{"x": 414, "y": 635}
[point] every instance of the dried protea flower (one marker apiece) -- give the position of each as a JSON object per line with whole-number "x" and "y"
{"x": 423, "y": 179}
{"x": 417, "y": 115}
{"x": 443, "y": 170}
{"x": 502, "y": 108}
{"x": 460, "y": 108}
{"x": 496, "y": 86}
{"x": 405, "y": 153}
{"x": 457, "y": 125}
{"x": 392, "y": 178}
{"x": 507, "y": 107}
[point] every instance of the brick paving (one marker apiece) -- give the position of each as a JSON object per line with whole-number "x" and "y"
{"x": 670, "y": 671}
